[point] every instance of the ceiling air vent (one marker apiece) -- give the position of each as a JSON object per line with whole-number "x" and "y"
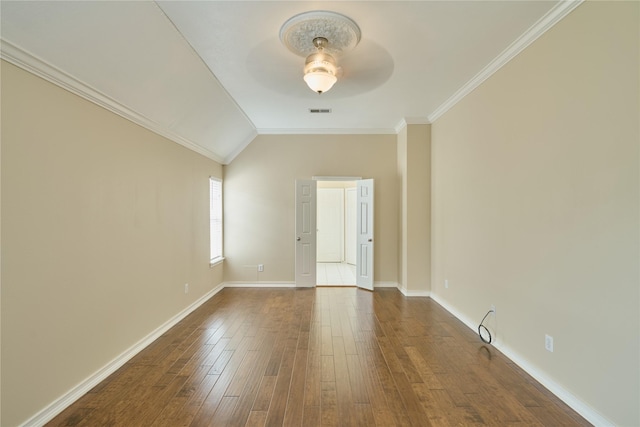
{"x": 319, "y": 110}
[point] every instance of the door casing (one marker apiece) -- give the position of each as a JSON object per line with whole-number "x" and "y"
{"x": 305, "y": 228}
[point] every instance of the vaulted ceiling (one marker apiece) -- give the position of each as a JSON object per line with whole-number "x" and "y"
{"x": 211, "y": 75}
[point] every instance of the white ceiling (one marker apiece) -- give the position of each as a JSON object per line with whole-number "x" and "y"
{"x": 212, "y": 74}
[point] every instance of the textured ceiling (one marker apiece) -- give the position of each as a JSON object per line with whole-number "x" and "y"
{"x": 212, "y": 74}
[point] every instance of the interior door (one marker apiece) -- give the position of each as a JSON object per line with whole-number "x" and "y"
{"x": 305, "y": 233}
{"x": 364, "y": 261}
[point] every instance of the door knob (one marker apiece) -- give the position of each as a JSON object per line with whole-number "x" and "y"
{"x": 371, "y": 240}
{"x": 298, "y": 239}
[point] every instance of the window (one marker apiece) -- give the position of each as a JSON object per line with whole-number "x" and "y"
{"x": 215, "y": 214}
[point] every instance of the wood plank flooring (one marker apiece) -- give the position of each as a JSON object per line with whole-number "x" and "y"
{"x": 318, "y": 357}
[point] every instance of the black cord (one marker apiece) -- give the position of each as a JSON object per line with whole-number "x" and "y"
{"x": 481, "y": 326}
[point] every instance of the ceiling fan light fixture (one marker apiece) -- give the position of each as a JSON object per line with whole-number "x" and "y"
{"x": 320, "y": 70}
{"x": 319, "y": 81}
{"x": 320, "y": 36}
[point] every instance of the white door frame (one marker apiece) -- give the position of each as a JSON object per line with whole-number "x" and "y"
{"x": 305, "y": 262}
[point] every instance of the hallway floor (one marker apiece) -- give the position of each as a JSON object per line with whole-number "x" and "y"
{"x": 335, "y": 274}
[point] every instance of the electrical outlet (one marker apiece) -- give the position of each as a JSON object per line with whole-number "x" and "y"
{"x": 493, "y": 308}
{"x": 548, "y": 343}
{"x": 186, "y": 288}
{"x": 446, "y": 284}
{"x": 260, "y": 267}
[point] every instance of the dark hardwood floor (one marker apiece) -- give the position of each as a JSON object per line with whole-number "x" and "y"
{"x": 312, "y": 357}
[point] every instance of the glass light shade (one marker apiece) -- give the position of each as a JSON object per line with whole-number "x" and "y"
{"x": 319, "y": 81}
{"x": 320, "y": 72}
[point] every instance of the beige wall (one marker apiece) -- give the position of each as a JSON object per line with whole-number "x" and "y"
{"x": 536, "y": 206}
{"x": 401, "y": 158}
{"x": 259, "y": 199}
{"x": 103, "y": 222}
{"x": 414, "y": 170}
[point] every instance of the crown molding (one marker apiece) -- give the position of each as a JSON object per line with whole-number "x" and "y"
{"x": 551, "y": 18}
{"x": 401, "y": 125}
{"x": 39, "y": 67}
{"x": 406, "y": 121}
{"x": 417, "y": 121}
{"x": 240, "y": 148}
{"x": 339, "y": 131}
{"x": 334, "y": 131}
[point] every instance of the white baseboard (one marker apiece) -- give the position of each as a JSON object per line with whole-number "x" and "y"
{"x": 57, "y": 406}
{"x": 586, "y": 411}
{"x": 416, "y": 293}
{"x": 385, "y": 285}
{"x": 259, "y": 284}
{"x": 64, "y": 401}
{"x": 408, "y": 293}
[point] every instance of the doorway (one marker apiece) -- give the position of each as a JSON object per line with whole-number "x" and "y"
{"x": 336, "y": 233}
{"x": 306, "y": 232}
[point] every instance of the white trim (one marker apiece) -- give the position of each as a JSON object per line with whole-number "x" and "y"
{"x": 259, "y": 284}
{"x": 64, "y": 401}
{"x": 411, "y": 121}
{"x": 336, "y": 178}
{"x": 240, "y": 148}
{"x": 52, "y": 74}
{"x": 559, "y": 11}
{"x": 582, "y": 408}
{"x": 408, "y": 293}
{"x": 400, "y": 126}
{"x": 417, "y": 293}
{"x": 417, "y": 120}
{"x": 385, "y": 285}
{"x": 218, "y": 261}
{"x": 345, "y": 131}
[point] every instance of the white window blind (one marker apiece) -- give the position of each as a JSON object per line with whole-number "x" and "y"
{"x": 215, "y": 213}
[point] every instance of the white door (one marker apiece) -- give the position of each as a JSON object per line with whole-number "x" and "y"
{"x": 351, "y": 216}
{"x": 330, "y": 225}
{"x": 364, "y": 261}
{"x": 305, "y": 233}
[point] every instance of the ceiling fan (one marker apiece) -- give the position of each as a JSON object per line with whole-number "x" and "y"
{"x": 322, "y": 37}
{"x": 361, "y": 64}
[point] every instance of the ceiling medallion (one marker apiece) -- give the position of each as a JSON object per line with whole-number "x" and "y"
{"x": 320, "y": 36}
